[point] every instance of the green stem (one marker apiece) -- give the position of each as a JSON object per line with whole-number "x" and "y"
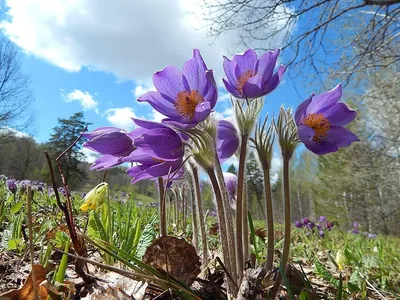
{"x": 270, "y": 219}
{"x": 200, "y": 214}
{"x": 286, "y": 242}
{"x": 245, "y": 223}
{"x": 221, "y": 218}
{"x": 163, "y": 223}
{"x": 228, "y": 217}
{"x": 239, "y": 208}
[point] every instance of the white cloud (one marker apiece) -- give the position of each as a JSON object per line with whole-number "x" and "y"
{"x": 131, "y": 39}
{"x": 6, "y": 130}
{"x": 140, "y": 89}
{"x": 276, "y": 166}
{"x": 90, "y": 156}
{"x": 84, "y": 98}
{"x": 155, "y": 116}
{"x": 121, "y": 117}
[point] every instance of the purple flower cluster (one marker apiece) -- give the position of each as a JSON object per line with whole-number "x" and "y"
{"x": 322, "y": 225}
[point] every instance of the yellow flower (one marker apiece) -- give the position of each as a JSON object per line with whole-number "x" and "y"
{"x": 341, "y": 259}
{"x": 95, "y": 197}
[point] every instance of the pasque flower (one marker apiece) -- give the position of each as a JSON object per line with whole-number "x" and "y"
{"x": 227, "y": 140}
{"x": 113, "y": 143}
{"x": 11, "y": 185}
{"x": 158, "y": 151}
{"x": 320, "y": 120}
{"x": 252, "y": 77}
{"x": 186, "y": 97}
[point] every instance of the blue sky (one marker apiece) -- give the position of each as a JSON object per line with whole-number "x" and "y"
{"x": 99, "y": 56}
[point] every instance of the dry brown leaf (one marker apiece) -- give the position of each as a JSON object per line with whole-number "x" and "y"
{"x": 26, "y": 291}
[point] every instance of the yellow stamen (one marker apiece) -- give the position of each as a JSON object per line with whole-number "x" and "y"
{"x": 186, "y": 103}
{"x": 243, "y": 79}
{"x": 320, "y": 124}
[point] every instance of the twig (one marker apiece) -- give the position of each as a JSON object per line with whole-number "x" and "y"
{"x": 29, "y": 212}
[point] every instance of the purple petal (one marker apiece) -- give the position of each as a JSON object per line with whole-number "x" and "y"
{"x": 227, "y": 139}
{"x": 266, "y": 64}
{"x": 210, "y": 94}
{"x": 106, "y": 162}
{"x": 177, "y": 124}
{"x": 306, "y": 133}
{"x": 301, "y": 109}
{"x": 232, "y": 71}
{"x": 148, "y": 124}
{"x": 110, "y": 143}
{"x": 233, "y": 91}
{"x": 169, "y": 82}
{"x": 275, "y": 80}
{"x": 203, "y": 110}
{"x": 247, "y": 61}
{"x": 140, "y": 172}
{"x": 163, "y": 144}
{"x": 140, "y": 156}
{"x": 159, "y": 103}
{"x": 253, "y": 87}
{"x": 136, "y": 133}
{"x": 194, "y": 71}
{"x": 321, "y": 103}
{"x": 100, "y": 131}
{"x": 340, "y": 114}
{"x": 341, "y": 137}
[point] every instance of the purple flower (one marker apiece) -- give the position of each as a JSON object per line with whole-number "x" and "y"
{"x": 372, "y": 236}
{"x": 322, "y": 219}
{"x": 355, "y": 229}
{"x": 306, "y": 221}
{"x": 231, "y": 186}
{"x": 320, "y": 120}
{"x": 62, "y": 191}
{"x": 329, "y": 225}
{"x": 310, "y": 225}
{"x": 227, "y": 140}
{"x": 11, "y": 185}
{"x": 186, "y": 97}
{"x": 112, "y": 143}
{"x": 252, "y": 77}
{"x": 158, "y": 151}
{"x": 298, "y": 224}
{"x": 321, "y": 233}
{"x": 23, "y": 185}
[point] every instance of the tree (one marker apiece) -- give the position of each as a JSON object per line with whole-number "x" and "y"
{"x": 320, "y": 36}
{"x": 255, "y": 185}
{"x": 15, "y": 94}
{"x": 64, "y": 135}
{"x": 232, "y": 169}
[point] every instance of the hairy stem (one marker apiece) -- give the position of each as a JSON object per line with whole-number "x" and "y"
{"x": 270, "y": 220}
{"x": 239, "y": 208}
{"x": 286, "y": 242}
{"x": 199, "y": 206}
{"x": 31, "y": 250}
{"x": 163, "y": 223}
{"x": 245, "y": 223}
{"x": 228, "y": 217}
{"x": 221, "y": 218}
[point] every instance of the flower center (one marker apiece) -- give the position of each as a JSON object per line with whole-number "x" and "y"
{"x": 186, "y": 103}
{"x": 320, "y": 124}
{"x": 243, "y": 79}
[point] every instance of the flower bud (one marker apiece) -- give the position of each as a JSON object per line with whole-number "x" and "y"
{"x": 95, "y": 197}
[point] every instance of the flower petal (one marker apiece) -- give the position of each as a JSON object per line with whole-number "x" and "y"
{"x": 247, "y": 61}
{"x": 169, "y": 82}
{"x": 148, "y": 124}
{"x": 203, "y": 110}
{"x": 178, "y": 124}
{"x": 141, "y": 172}
{"x": 110, "y": 143}
{"x": 340, "y": 114}
{"x": 306, "y": 133}
{"x": 106, "y": 162}
{"x": 140, "y": 156}
{"x": 341, "y": 137}
{"x": 321, "y": 103}
{"x": 253, "y": 87}
{"x": 162, "y": 144}
{"x": 160, "y": 104}
{"x": 232, "y": 71}
{"x": 233, "y": 91}
{"x": 266, "y": 64}
{"x": 301, "y": 109}
{"x": 194, "y": 70}
{"x": 275, "y": 80}
{"x": 100, "y": 131}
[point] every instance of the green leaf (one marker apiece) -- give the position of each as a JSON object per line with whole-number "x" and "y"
{"x": 253, "y": 236}
{"x": 16, "y": 207}
{"x": 60, "y": 276}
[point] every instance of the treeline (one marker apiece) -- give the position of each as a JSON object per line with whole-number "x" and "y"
{"x": 21, "y": 157}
